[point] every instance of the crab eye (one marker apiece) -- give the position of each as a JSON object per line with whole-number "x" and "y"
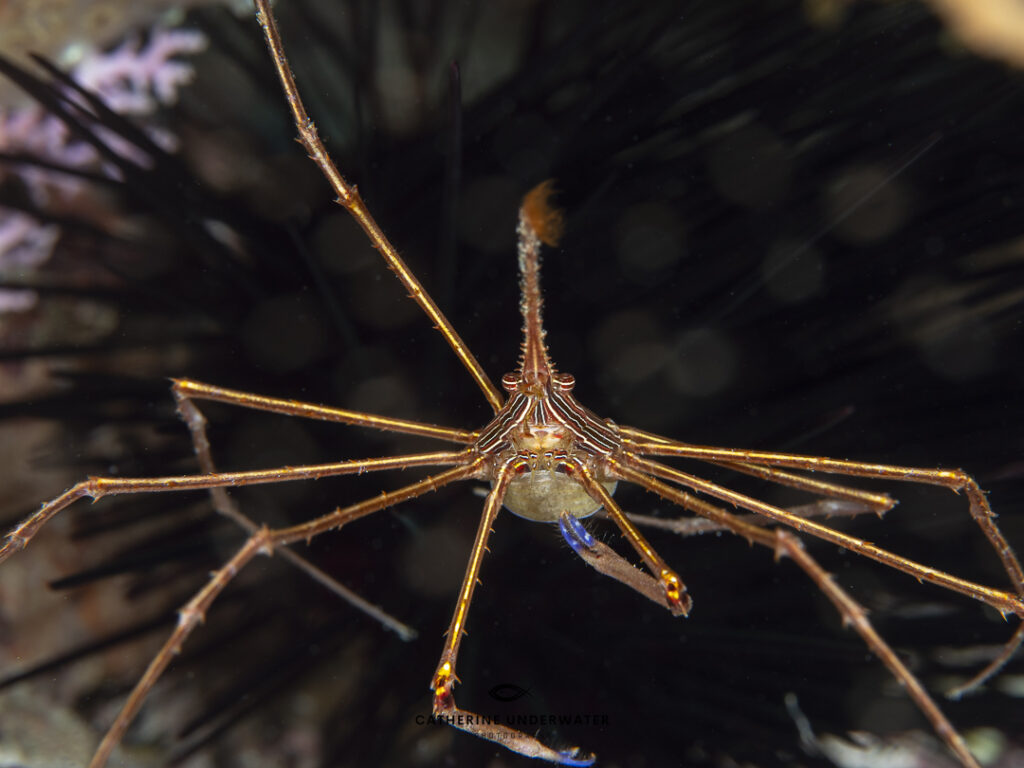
{"x": 510, "y": 382}
{"x": 565, "y": 381}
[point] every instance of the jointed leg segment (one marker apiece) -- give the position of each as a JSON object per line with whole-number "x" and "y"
{"x": 854, "y": 615}
{"x": 1009, "y": 649}
{"x": 608, "y": 562}
{"x": 444, "y": 678}
{"x": 955, "y": 479}
{"x": 263, "y": 541}
{"x": 762, "y": 463}
{"x": 664, "y": 587}
{"x": 349, "y": 198}
{"x": 97, "y": 487}
{"x": 191, "y": 615}
{"x": 186, "y": 390}
{"x": 786, "y": 543}
{"x": 675, "y": 591}
{"x": 998, "y": 599}
{"x": 225, "y": 505}
{"x": 695, "y": 526}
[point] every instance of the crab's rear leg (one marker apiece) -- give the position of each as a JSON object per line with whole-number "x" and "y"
{"x": 264, "y": 541}
{"x": 191, "y": 615}
{"x": 226, "y": 506}
{"x": 1005, "y": 654}
{"x": 854, "y": 615}
{"x": 786, "y": 543}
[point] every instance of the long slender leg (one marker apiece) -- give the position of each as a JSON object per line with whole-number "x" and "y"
{"x": 97, "y": 487}
{"x": 192, "y": 614}
{"x": 186, "y": 389}
{"x": 264, "y": 541}
{"x": 754, "y": 534}
{"x": 342, "y": 516}
{"x": 348, "y": 197}
{"x": 999, "y": 600}
{"x": 226, "y": 506}
{"x": 633, "y": 436}
{"x": 633, "y": 467}
{"x": 675, "y": 590}
{"x": 954, "y": 479}
{"x": 851, "y": 611}
{"x": 853, "y": 614}
{"x": 869, "y": 550}
{"x": 608, "y": 562}
{"x": 445, "y": 678}
{"x": 880, "y": 502}
{"x": 1009, "y": 648}
{"x": 998, "y": 542}
{"x": 695, "y": 526}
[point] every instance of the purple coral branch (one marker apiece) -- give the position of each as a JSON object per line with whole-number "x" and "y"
{"x": 132, "y": 79}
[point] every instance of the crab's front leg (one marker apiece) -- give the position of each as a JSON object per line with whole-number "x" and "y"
{"x": 445, "y": 708}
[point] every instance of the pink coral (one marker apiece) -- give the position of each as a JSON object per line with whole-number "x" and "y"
{"x": 133, "y": 79}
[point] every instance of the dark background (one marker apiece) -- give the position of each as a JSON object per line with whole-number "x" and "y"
{"x": 780, "y": 235}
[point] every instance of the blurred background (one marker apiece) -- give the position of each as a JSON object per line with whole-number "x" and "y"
{"x": 790, "y": 225}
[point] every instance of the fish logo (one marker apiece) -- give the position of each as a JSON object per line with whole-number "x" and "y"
{"x": 508, "y": 692}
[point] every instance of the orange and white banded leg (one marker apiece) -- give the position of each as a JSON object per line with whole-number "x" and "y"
{"x": 955, "y": 479}
{"x": 186, "y": 390}
{"x": 98, "y": 487}
{"x": 786, "y": 543}
{"x": 444, "y": 680}
{"x": 636, "y": 469}
{"x": 349, "y": 198}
